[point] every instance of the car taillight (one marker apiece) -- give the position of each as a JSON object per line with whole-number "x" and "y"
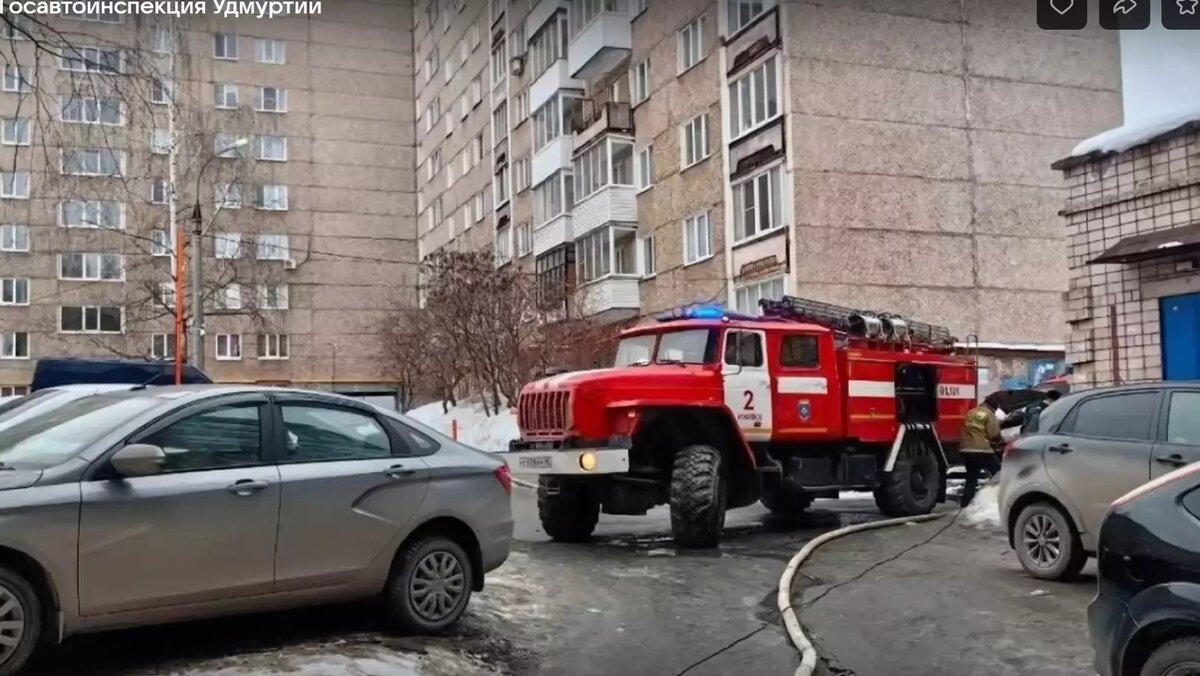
{"x": 1158, "y": 483}
{"x": 505, "y": 478}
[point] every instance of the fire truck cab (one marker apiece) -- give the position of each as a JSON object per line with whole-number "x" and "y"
{"x": 708, "y": 410}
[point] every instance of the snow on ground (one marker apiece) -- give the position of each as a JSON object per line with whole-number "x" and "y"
{"x": 475, "y": 427}
{"x": 344, "y": 659}
{"x": 1132, "y": 135}
{"x": 984, "y": 510}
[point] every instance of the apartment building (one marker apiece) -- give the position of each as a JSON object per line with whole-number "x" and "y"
{"x": 294, "y": 136}
{"x": 887, "y": 155}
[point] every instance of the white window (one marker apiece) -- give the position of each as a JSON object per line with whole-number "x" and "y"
{"x": 18, "y": 79}
{"x": 93, "y": 111}
{"x": 552, "y": 120}
{"x": 697, "y": 238}
{"x": 225, "y": 46}
{"x": 91, "y": 60}
{"x": 160, "y": 243}
{"x": 271, "y": 100}
{"x": 272, "y": 346}
{"x": 639, "y": 6}
{"x": 270, "y": 51}
{"x": 92, "y": 162}
{"x": 227, "y": 146}
{"x": 15, "y": 27}
{"x": 160, "y": 92}
{"x": 435, "y": 163}
{"x": 166, "y": 294}
{"x": 228, "y": 196}
{"x": 475, "y": 35}
{"x": 14, "y": 345}
{"x": 618, "y": 89}
{"x": 160, "y": 141}
{"x": 229, "y": 298}
{"x": 476, "y": 91}
{"x": 649, "y": 266}
{"x": 746, "y": 297}
{"x": 227, "y": 245}
{"x": 273, "y": 297}
{"x": 742, "y": 12}
{"x": 14, "y": 291}
{"x": 160, "y": 192}
{"x": 693, "y": 142}
{"x": 592, "y": 167}
{"x": 14, "y": 238}
{"x": 477, "y": 207}
{"x": 754, "y": 99}
{"x": 645, "y": 177}
{"x": 521, "y": 174}
{"x": 271, "y": 197}
{"x": 500, "y": 186}
{"x": 92, "y": 267}
{"x": 503, "y": 245}
{"x": 435, "y": 213}
{"x": 524, "y": 235}
{"x": 757, "y": 205}
{"x": 499, "y": 63}
{"x": 229, "y": 347}
{"x": 639, "y": 80}
{"x": 164, "y": 41}
{"x": 553, "y": 197}
{"x": 226, "y": 95}
{"x": 91, "y": 214}
{"x": 609, "y": 250}
{"x": 272, "y": 148}
{"x": 500, "y": 123}
{"x": 476, "y": 150}
{"x": 162, "y": 346}
{"x": 691, "y": 44}
{"x": 91, "y": 319}
{"x": 17, "y": 131}
{"x": 272, "y": 247}
{"x": 14, "y": 185}
{"x": 549, "y": 44}
{"x": 520, "y": 107}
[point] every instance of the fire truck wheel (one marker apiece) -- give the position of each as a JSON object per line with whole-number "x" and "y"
{"x": 911, "y": 488}
{"x": 787, "y": 504}
{"x": 697, "y": 497}
{"x": 570, "y": 513}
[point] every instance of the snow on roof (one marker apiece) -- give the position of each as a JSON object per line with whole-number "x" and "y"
{"x": 1132, "y": 135}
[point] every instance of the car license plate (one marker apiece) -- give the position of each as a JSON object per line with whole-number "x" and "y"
{"x": 536, "y": 462}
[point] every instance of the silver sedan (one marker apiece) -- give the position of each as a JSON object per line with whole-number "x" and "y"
{"x": 165, "y": 504}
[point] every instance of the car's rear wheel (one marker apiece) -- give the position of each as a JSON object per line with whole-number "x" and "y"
{"x": 568, "y": 510}
{"x": 1180, "y": 657}
{"x": 1047, "y": 543}
{"x": 430, "y": 584}
{"x": 20, "y": 621}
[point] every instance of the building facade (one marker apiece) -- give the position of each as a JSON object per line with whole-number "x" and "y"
{"x": 294, "y": 136}
{"x": 891, "y": 156}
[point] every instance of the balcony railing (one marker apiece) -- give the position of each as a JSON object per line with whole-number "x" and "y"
{"x": 591, "y": 119}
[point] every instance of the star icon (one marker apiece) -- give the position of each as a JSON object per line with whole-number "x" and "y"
{"x": 1187, "y": 6}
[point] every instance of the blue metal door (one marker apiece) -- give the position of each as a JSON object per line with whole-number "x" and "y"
{"x": 1180, "y": 321}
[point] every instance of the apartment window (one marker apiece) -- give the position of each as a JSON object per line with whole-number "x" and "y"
{"x": 164, "y": 41}
{"x": 229, "y": 298}
{"x": 549, "y": 44}
{"x": 435, "y": 213}
{"x": 166, "y": 294}
{"x": 500, "y": 123}
{"x": 499, "y": 64}
{"x": 225, "y": 46}
{"x": 584, "y": 11}
{"x": 226, "y": 95}
{"x": 91, "y": 319}
{"x": 162, "y": 346}
{"x": 500, "y": 184}
{"x": 477, "y": 207}
{"x": 649, "y": 265}
{"x": 551, "y": 271}
{"x": 92, "y": 162}
{"x": 160, "y": 141}
{"x": 14, "y": 238}
{"x": 553, "y": 197}
{"x": 639, "y": 82}
{"x": 272, "y": 148}
{"x": 757, "y": 205}
{"x": 159, "y": 191}
{"x": 273, "y": 247}
{"x": 693, "y": 143}
{"x": 14, "y": 291}
{"x": 270, "y": 51}
{"x": 645, "y": 165}
{"x": 227, "y": 245}
{"x": 92, "y": 214}
{"x": 607, "y": 251}
{"x": 18, "y": 79}
{"x": 91, "y": 267}
{"x": 476, "y": 91}
{"x": 160, "y": 243}
{"x": 697, "y": 238}
{"x": 272, "y": 346}
{"x": 742, "y": 12}
{"x": 228, "y": 196}
{"x": 91, "y": 60}
{"x": 93, "y": 111}
{"x": 14, "y": 345}
{"x": 746, "y": 297}
{"x": 476, "y": 150}
{"x": 271, "y": 197}
{"x": 592, "y": 167}
{"x": 14, "y": 27}
{"x": 271, "y": 100}
{"x": 13, "y": 390}
{"x": 754, "y": 99}
{"x": 618, "y": 89}
{"x": 503, "y": 245}
{"x": 521, "y": 174}
{"x": 524, "y": 237}
{"x": 691, "y": 44}
{"x": 552, "y": 120}
{"x": 520, "y": 107}
{"x": 160, "y": 92}
{"x": 229, "y": 347}
{"x": 475, "y": 35}
{"x": 227, "y": 146}
{"x": 273, "y": 297}
{"x": 17, "y": 132}
{"x": 14, "y": 185}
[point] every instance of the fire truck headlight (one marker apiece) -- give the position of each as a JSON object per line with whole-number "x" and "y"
{"x": 587, "y": 461}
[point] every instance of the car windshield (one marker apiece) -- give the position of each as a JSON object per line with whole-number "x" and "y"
{"x": 50, "y": 437}
{"x": 20, "y": 404}
{"x": 690, "y": 346}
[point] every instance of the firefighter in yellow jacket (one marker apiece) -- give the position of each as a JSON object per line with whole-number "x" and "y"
{"x": 978, "y": 442}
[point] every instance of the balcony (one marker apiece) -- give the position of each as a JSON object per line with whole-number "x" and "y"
{"x": 604, "y": 189}
{"x": 606, "y": 266}
{"x": 610, "y": 300}
{"x": 592, "y": 119}
{"x": 550, "y": 82}
{"x": 541, "y": 13}
{"x": 554, "y": 156}
{"x": 552, "y": 234}
{"x": 602, "y": 42}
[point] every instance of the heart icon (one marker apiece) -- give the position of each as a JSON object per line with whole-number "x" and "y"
{"x": 1062, "y": 6}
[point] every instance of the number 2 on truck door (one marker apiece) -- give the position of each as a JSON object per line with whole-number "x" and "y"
{"x": 747, "y": 382}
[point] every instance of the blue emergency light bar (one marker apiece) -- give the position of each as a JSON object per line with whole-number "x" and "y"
{"x": 699, "y": 311}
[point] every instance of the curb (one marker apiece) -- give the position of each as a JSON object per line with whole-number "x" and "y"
{"x": 808, "y": 653}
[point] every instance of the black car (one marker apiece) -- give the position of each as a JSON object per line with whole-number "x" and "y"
{"x": 1145, "y": 619}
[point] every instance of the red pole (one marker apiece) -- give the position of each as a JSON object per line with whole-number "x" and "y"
{"x": 454, "y": 429}
{"x": 179, "y": 306}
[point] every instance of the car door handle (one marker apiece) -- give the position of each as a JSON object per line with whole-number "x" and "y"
{"x": 246, "y": 487}
{"x": 1061, "y": 448}
{"x": 1173, "y": 459}
{"x": 398, "y": 472}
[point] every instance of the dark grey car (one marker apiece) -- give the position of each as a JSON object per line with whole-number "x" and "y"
{"x": 167, "y": 504}
{"x": 1085, "y": 451}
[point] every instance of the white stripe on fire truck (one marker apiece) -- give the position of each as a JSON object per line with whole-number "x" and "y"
{"x": 803, "y": 385}
{"x": 887, "y": 389}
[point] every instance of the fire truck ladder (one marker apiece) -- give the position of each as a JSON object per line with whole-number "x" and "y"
{"x": 861, "y": 323}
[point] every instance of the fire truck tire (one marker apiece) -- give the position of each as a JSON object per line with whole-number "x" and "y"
{"x": 912, "y": 487}
{"x": 571, "y": 513}
{"x": 697, "y": 497}
{"x": 786, "y": 504}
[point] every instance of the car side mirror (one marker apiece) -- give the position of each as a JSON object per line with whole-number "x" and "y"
{"x": 139, "y": 460}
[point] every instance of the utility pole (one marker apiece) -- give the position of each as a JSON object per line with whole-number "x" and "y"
{"x": 197, "y": 263}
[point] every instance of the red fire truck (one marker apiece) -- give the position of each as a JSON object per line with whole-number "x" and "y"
{"x": 708, "y": 410}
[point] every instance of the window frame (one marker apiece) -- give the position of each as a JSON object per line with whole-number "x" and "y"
{"x": 227, "y": 39}
{"x": 15, "y": 284}
{"x": 688, "y": 132}
{"x": 228, "y": 352}
{"x": 15, "y": 229}
{"x": 774, "y": 203}
{"x": 687, "y": 223}
{"x": 690, "y": 45}
{"x": 266, "y": 432}
{"x": 10, "y": 338}
{"x": 1164, "y": 423}
{"x": 17, "y": 124}
{"x": 738, "y": 128}
{"x": 278, "y": 56}
{"x": 1069, "y": 423}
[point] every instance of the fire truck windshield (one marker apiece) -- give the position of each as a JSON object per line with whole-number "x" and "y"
{"x": 690, "y": 346}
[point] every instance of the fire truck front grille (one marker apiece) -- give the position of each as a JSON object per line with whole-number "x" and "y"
{"x": 543, "y": 414}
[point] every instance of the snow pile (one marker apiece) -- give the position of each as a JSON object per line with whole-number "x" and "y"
{"x": 984, "y": 510}
{"x": 1133, "y": 135}
{"x": 475, "y": 427}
